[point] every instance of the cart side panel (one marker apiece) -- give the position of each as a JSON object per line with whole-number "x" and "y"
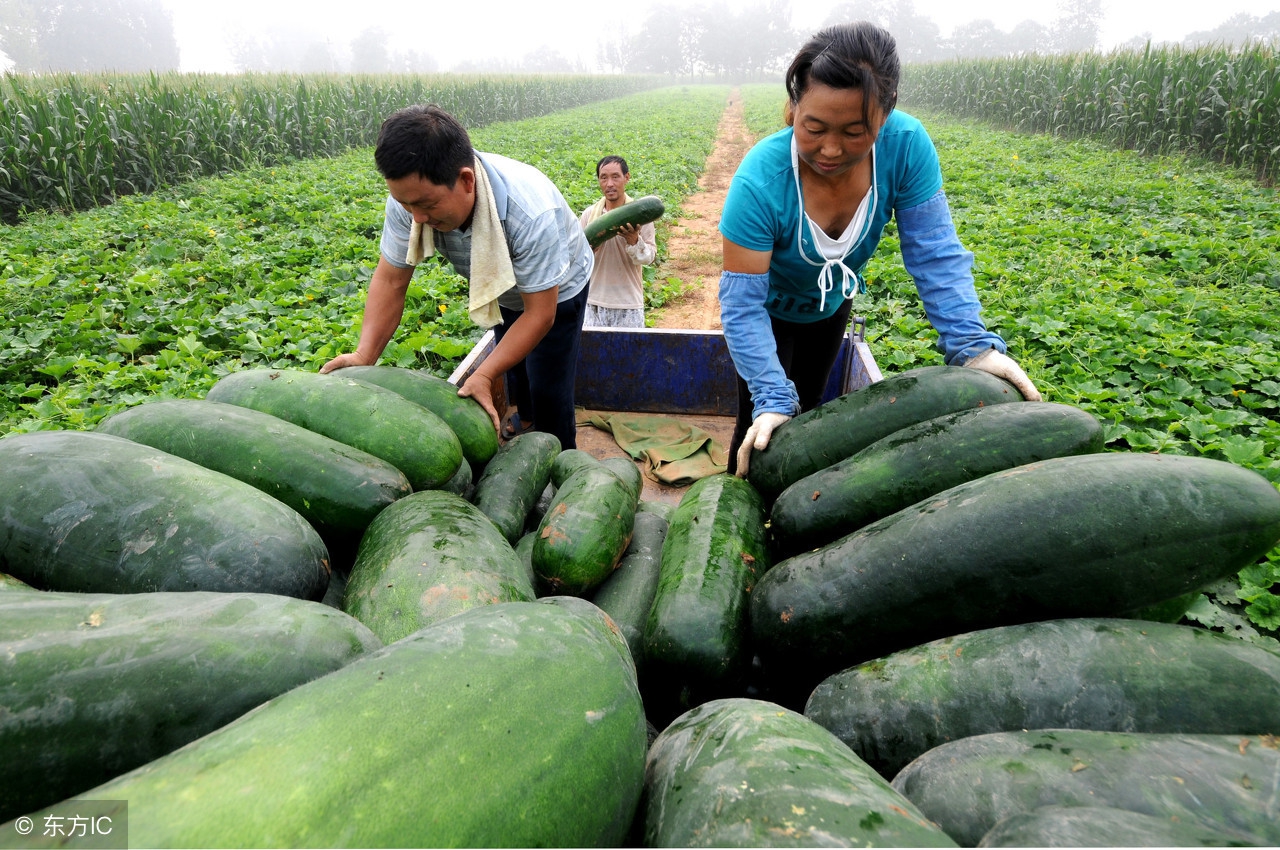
{"x": 683, "y": 371}
{"x": 655, "y": 371}
{"x": 658, "y": 370}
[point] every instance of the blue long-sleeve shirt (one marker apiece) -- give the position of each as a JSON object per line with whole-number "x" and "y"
{"x": 762, "y": 212}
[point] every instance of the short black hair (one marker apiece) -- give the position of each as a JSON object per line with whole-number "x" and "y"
{"x": 423, "y": 140}
{"x": 856, "y": 55}
{"x": 613, "y": 157}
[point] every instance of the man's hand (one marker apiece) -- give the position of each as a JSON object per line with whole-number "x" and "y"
{"x": 342, "y": 361}
{"x": 629, "y": 232}
{"x": 757, "y": 438}
{"x": 480, "y": 387}
{"x": 1003, "y": 366}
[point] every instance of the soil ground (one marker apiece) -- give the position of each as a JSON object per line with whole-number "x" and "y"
{"x": 693, "y": 246}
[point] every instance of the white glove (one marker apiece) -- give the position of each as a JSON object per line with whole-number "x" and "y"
{"x": 1003, "y": 366}
{"x": 757, "y": 438}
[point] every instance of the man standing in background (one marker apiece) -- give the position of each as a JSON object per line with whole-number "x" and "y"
{"x": 616, "y": 296}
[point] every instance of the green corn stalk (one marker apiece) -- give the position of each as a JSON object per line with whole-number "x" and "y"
{"x": 72, "y": 141}
{"x": 1219, "y": 103}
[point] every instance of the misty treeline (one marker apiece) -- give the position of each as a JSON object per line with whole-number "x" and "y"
{"x": 717, "y": 39}
{"x": 733, "y": 41}
{"x": 87, "y": 35}
{"x": 128, "y": 36}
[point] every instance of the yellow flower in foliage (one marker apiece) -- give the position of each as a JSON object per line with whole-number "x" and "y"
{"x": 444, "y": 307}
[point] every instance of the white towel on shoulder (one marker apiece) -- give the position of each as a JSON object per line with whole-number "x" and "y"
{"x": 491, "y": 271}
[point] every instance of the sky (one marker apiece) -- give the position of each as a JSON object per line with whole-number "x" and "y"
{"x": 453, "y": 32}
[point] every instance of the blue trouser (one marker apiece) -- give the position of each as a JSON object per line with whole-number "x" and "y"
{"x": 542, "y": 384}
{"x": 807, "y": 352}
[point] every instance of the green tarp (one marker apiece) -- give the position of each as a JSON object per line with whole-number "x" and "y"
{"x": 673, "y": 451}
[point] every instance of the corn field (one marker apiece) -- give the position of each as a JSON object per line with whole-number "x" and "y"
{"x": 70, "y": 142}
{"x": 1219, "y": 103}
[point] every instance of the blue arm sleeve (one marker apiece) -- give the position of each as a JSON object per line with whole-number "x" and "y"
{"x": 943, "y": 273}
{"x": 749, "y": 336}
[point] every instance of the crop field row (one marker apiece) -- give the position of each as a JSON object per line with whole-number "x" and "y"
{"x": 71, "y": 141}
{"x": 163, "y": 293}
{"x": 1142, "y": 289}
{"x": 1220, "y": 103}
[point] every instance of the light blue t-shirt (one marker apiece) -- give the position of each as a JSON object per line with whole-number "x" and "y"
{"x": 547, "y": 244}
{"x": 762, "y": 211}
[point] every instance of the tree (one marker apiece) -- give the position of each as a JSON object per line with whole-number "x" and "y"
{"x": 714, "y": 39}
{"x": 745, "y": 43}
{"x": 546, "y": 60}
{"x": 1239, "y": 30}
{"x": 724, "y": 39}
{"x": 1136, "y": 44}
{"x": 20, "y": 34}
{"x": 1079, "y": 25}
{"x": 664, "y": 44}
{"x": 317, "y": 58}
{"x": 978, "y": 38}
{"x": 614, "y": 54}
{"x": 768, "y": 41}
{"x": 281, "y": 49}
{"x": 369, "y": 54}
{"x": 414, "y": 62}
{"x": 486, "y": 65}
{"x": 88, "y": 35}
{"x": 1029, "y": 37}
{"x": 918, "y": 37}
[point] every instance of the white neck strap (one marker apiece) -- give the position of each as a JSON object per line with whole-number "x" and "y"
{"x": 849, "y": 283}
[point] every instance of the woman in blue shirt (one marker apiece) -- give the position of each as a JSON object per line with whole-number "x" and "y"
{"x": 806, "y": 210}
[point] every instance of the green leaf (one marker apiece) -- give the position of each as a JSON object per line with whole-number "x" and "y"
{"x": 1265, "y": 611}
{"x": 56, "y": 367}
{"x": 190, "y": 346}
{"x": 1243, "y": 451}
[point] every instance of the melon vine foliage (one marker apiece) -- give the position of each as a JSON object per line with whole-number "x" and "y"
{"x": 1144, "y": 290}
{"x": 162, "y": 294}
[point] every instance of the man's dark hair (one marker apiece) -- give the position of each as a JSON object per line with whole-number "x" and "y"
{"x": 613, "y": 157}
{"x": 858, "y": 55}
{"x": 423, "y": 140}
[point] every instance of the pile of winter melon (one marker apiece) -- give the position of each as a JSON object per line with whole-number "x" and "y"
{"x": 332, "y": 610}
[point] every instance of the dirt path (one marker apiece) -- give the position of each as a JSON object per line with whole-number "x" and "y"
{"x": 693, "y": 247}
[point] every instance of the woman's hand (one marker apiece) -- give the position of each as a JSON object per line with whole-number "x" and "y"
{"x": 1003, "y": 366}
{"x": 757, "y": 437}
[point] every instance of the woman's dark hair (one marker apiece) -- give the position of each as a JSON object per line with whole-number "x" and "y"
{"x": 857, "y": 55}
{"x": 423, "y": 140}
{"x": 613, "y": 157}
